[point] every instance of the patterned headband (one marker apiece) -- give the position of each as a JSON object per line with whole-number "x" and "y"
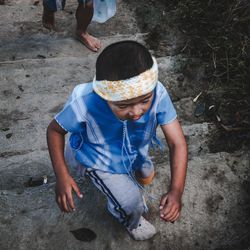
{"x": 130, "y": 88}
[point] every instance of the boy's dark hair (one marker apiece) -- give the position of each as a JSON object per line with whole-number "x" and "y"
{"x": 122, "y": 60}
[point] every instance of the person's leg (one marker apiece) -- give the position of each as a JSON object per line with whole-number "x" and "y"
{"x": 84, "y": 14}
{"x": 125, "y": 201}
{"x": 145, "y": 174}
{"x": 48, "y": 19}
{"x": 49, "y": 9}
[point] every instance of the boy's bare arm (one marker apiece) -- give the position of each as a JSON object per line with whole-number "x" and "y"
{"x": 55, "y": 140}
{"x": 170, "y": 205}
{"x": 64, "y": 183}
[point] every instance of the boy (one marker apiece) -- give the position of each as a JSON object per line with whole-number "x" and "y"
{"x": 84, "y": 14}
{"x": 112, "y": 122}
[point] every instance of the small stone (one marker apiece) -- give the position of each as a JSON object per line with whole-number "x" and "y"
{"x": 41, "y": 56}
{"x": 20, "y": 88}
{"x": 20, "y": 191}
{"x": 7, "y": 92}
{"x": 9, "y": 135}
{"x": 18, "y": 97}
{"x": 34, "y": 182}
{"x": 180, "y": 78}
{"x": 27, "y": 75}
{"x": 5, "y": 129}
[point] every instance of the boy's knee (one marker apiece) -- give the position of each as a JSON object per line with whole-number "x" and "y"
{"x": 145, "y": 179}
{"x": 133, "y": 203}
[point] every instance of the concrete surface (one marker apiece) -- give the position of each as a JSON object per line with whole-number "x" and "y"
{"x": 38, "y": 71}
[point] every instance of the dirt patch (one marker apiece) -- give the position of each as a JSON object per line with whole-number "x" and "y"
{"x": 18, "y": 178}
{"x": 210, "y": 41}
{"x": 213, "y": 202}
{"x": 222, "y": 141}
{"x": 6, "y": 119}
{"x": 84, "y": 234}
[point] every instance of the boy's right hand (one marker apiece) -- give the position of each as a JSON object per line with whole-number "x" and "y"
{"x": 63, "y": 190}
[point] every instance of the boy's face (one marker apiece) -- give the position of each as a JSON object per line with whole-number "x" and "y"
{"x": 132, "y": 109}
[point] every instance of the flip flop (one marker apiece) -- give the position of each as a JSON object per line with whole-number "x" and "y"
{"x": 80, "y": 39}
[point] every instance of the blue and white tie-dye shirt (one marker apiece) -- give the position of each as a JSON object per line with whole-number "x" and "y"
{"x": 101, "y": 141}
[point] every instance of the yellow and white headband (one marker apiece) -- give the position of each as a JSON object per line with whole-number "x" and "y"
{"x": 130, "y": 88}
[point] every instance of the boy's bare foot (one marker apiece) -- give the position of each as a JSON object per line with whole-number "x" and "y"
{"x": 89, "y": 41}
{"x": 48, "y": 18}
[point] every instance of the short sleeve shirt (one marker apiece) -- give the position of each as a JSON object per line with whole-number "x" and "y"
{"x": 101, "y": 141}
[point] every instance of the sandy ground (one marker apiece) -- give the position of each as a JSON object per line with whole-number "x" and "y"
{"x": 38, "y": 71}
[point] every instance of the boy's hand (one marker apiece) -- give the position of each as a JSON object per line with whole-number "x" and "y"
{"x": 170, "y": 206}
{"x": 64, "y": 198}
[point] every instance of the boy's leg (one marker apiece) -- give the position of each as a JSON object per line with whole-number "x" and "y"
{"x": 124, "y": 198}
{"x": 145, "y": 175}
{"x": 84, "y": 14}
{"x": 49, "y": 8}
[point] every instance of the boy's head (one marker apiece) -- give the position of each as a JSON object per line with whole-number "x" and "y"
{"x": 122, "y": 60}
{"x": 126, "y": 75}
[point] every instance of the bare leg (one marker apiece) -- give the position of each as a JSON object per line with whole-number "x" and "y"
{"x": 84, "y": 14}
{"x": 48, "y": 18}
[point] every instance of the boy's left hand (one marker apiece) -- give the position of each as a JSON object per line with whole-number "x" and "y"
{"x": 170, "y": 206}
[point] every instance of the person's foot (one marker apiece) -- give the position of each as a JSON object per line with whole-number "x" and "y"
{"x": 144, "y": 231}
{"x": 89, "y": 41}
{"x": 48, "y": 18}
